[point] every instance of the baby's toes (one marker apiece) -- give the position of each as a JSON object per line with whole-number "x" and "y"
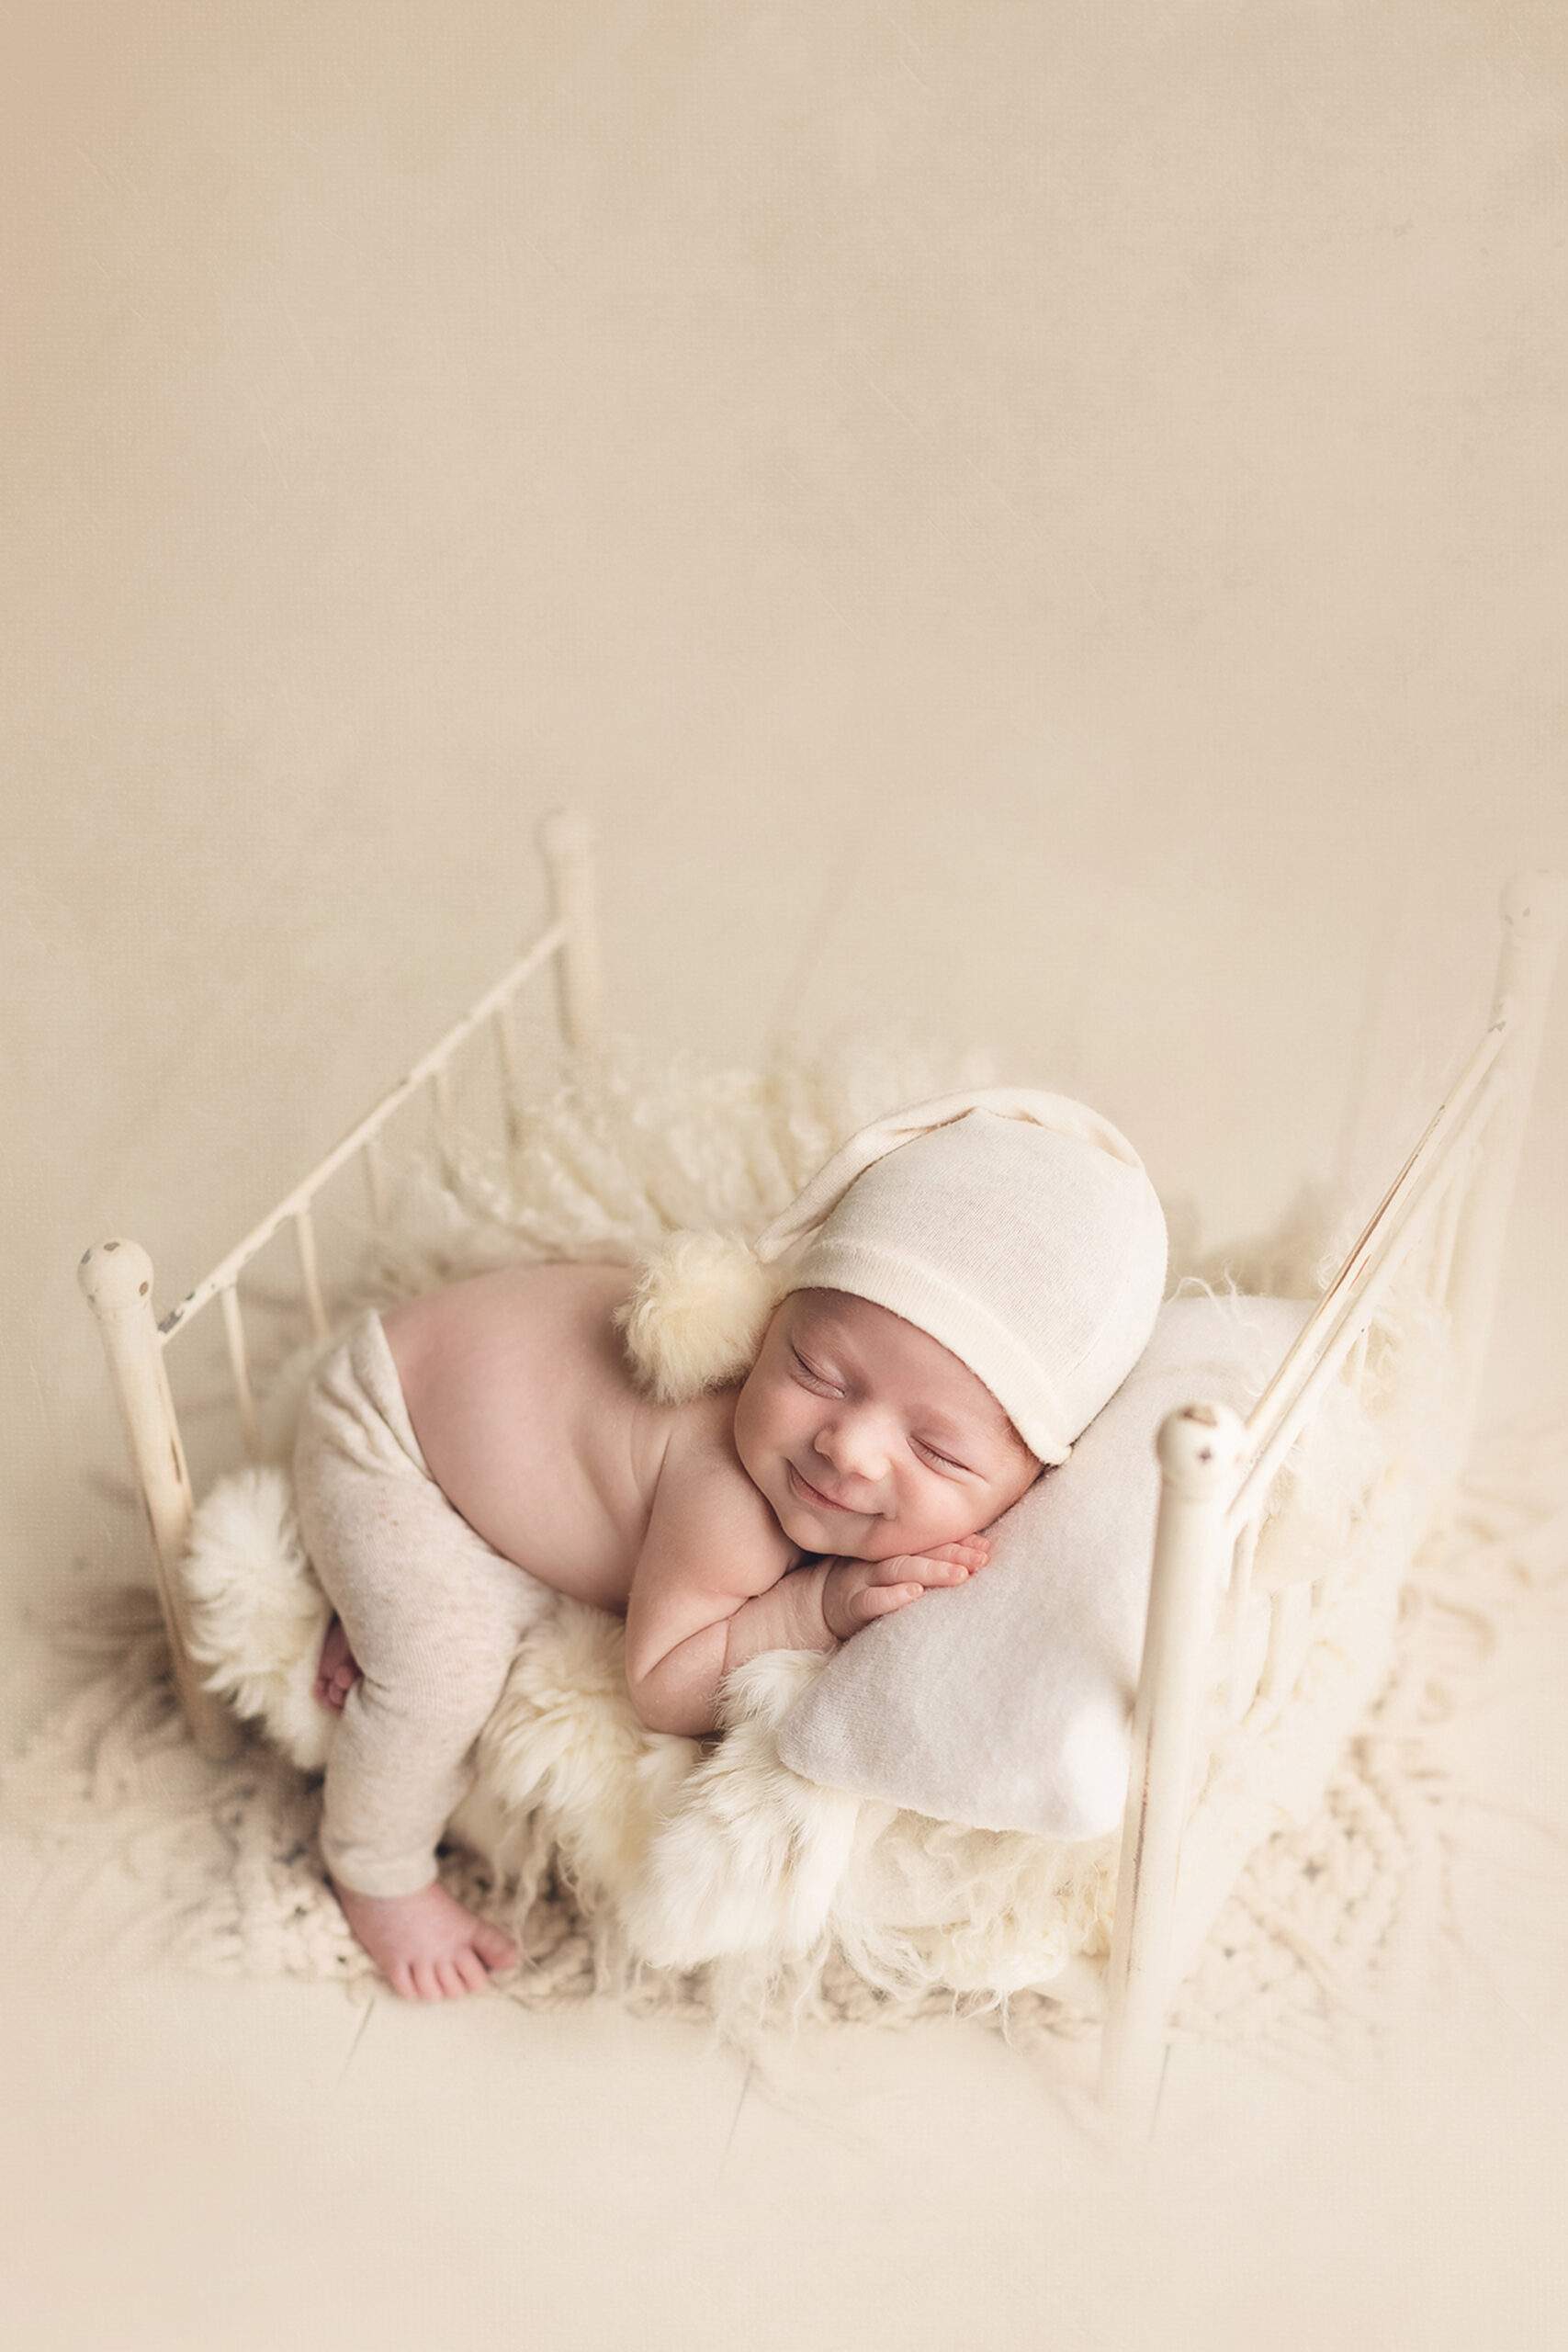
{"x": 495, "y": 1949}
{"x": 472, "y": 1971}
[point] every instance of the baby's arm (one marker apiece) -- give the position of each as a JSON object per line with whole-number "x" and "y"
{"x": 713, "y": 1587}
{"x": 713, "y": 1552}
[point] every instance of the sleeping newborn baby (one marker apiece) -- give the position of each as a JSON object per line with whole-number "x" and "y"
{"x": 737, "y": 1449}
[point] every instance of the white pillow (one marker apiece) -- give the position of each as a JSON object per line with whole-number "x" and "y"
{"x": 1007, "y": 1704}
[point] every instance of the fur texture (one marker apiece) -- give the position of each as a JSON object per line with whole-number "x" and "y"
{"x": 259, "y": 1617}
{"x": 698, "y": 1315}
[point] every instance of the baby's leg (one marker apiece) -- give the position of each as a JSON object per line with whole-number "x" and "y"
{"x": 433, "y": 1615}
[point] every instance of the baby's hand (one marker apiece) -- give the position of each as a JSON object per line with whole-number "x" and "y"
{"x": 855, "y": 1591}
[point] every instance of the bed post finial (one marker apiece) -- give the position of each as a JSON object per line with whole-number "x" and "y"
{"x": 117, "y": 1282}
{"x": 566, "y": 842}
{"x": 1200, "y": 1447}
{"x": 1533, "y": 907}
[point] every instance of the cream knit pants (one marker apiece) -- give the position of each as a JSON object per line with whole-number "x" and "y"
{"x": 432, "y": 1613}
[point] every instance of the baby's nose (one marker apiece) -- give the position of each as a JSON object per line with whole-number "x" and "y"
{"x": 856, "y": 1453}
{"x": 855, "y": 1460}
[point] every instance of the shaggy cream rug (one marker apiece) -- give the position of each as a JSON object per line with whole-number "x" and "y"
{"x": 1333, "y": 1923}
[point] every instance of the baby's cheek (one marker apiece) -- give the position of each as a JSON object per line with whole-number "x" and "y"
{"x": 787, "y": 1420}
{"x": 758, "y": 1401}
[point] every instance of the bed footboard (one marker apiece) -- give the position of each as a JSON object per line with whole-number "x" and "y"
{"x": 1443, "y": 1221}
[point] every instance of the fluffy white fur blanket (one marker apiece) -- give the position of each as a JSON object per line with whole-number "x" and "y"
{"x": 695, "y": 1854}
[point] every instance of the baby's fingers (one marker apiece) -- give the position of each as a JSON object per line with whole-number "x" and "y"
{"x": 882, "y": 1600}
{"x": 926, "y": 1568}
{"x": 968, "y": 1552}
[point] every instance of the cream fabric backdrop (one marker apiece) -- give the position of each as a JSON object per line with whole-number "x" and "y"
{"x": 1034, "y": 533}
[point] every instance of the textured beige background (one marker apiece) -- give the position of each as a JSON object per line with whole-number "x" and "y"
{"x": 1040, "y": 524}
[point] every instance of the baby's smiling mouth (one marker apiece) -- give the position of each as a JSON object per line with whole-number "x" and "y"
{"x": 813, "y": 1495}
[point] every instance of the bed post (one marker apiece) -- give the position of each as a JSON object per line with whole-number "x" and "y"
{"x": 1200, "y": 1447}
{"x": 1533, "y": 908}
{"x": 116, "y": 1278}
{"x": 566, "y": 844}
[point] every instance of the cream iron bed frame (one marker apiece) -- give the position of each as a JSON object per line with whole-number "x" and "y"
{"x": 1449, "y": 1202}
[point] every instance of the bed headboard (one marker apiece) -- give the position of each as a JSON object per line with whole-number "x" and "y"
{"x": 116, "y": 1276}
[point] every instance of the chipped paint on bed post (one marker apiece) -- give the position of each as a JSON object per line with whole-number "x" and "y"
{"x": 1201, "y": 1448}
{"x": 117, "y": 1280}
{"x": 566, "y": 844}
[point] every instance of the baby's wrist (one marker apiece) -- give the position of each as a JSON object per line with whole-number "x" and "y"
{"x": 833, "y": 1579}
{"x": 817, "y": 1631}
{"x": 788, "y": 1616}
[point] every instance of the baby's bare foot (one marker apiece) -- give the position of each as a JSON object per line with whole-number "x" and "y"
{"x": 426, "y": 1945}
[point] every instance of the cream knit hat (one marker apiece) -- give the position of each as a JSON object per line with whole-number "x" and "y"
{"x": 1018, "y": 1229}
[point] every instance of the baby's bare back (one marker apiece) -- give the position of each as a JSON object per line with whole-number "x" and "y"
{"x": 524, "y": 1410}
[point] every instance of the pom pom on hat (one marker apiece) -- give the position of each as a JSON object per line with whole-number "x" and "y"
{"x": 698, "y": 1314}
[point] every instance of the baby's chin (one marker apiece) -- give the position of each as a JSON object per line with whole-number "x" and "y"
{"x": 802, "y": 1526}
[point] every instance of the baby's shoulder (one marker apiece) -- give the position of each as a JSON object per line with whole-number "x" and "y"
{"x": 704, "y": 1498}
{"x": 699, "y": 1449}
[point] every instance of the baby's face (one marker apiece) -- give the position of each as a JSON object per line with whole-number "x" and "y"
{"x": 882, "y": 1421}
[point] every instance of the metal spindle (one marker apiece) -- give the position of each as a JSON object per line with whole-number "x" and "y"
{"x": 510, "y": 1073}
{"x": 1448, "y": 1230}
{"x": 239, "y": 1365}
{"x": 1237, "y": 1594}
{"x": 441, "y": 1087}
{"x": 1290, "y": 1605}
{"x": 1534, "y": 909}
{"x": 566, "y": 841}
{"x": 375, "y": 1180}
{"x": 309, "y": 1276}
{"x": 1427, "y": 1256}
